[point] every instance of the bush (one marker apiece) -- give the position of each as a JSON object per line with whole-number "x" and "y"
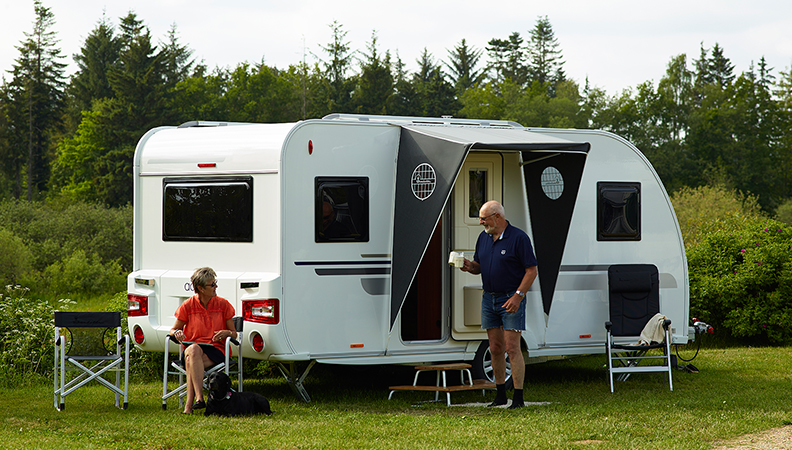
{"x": 16, "y": 258}
{"x": 741, "y": 278}
{"x": 699, "y": 209}
{"x": 53, "y": 231}
{"x": 79, "y": 274}
{"x": 784, "y": 212}
{"x": 26, "y": 335}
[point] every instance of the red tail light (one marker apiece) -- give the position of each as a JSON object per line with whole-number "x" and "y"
{"x": 138, "y": 334}
{"x": 261, "y": 311}
{"x": 137, "y": 305}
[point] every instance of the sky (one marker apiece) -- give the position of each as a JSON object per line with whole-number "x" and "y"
{"x": 615, "y": 44}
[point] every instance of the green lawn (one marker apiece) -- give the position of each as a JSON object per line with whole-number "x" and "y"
{"x": 738, "y": 391}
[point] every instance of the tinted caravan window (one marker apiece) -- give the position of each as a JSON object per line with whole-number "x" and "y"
{"x": 618, "y": 211}
{"x": 208, "y": 209}
{"x": 341, "y": 209}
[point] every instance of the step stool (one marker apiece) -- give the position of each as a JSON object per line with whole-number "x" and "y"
{"x": 440, "y": 369}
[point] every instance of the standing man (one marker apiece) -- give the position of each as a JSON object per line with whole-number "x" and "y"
{"x": 505, "y": 259}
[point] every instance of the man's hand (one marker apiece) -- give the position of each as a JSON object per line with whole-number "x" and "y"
{"x": 512, "y": 304}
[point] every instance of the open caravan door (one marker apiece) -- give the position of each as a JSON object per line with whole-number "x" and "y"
{"x": 430, "y": 159}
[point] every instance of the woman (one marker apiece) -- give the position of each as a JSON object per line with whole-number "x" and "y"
{"x": 204, "y": 318}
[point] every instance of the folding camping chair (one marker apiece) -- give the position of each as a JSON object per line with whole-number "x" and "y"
{"x": 83, "y": 345}
{"x": 175, "y": 367}
{"x": 634, "y": 298}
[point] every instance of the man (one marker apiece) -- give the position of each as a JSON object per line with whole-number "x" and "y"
{"x": 505, "y": 259}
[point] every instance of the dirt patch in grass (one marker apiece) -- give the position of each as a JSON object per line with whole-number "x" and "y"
{"x": 775, "y": 439}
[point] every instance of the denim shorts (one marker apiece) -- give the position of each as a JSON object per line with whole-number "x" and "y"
{"x": 493, "y": 315}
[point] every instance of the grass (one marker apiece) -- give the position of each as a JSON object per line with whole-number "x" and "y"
{"x": 738, "y": 391}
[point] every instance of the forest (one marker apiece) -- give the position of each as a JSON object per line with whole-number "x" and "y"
{"x": 720, "y": 142}
{"x": 73, "y": 138}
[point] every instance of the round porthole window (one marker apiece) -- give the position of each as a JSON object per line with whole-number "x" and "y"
{"x": 552, "y": 183}
{"x": 423, "y": 181}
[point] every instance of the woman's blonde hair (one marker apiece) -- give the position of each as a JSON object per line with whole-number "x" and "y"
{"x": 202, "y": 276}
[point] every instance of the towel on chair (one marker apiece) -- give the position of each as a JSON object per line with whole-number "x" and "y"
{"x": 653, "y": 331}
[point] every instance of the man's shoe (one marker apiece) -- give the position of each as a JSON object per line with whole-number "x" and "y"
{"x": 516, "y": 405}
{"x": 498, "y": 402}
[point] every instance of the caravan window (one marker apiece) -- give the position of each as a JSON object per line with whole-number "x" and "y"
{"x": 208, "y": 209}
{"x": 618, "y": 211}
{"x": 477, "y": 195}
{"x": 341, "y": 209}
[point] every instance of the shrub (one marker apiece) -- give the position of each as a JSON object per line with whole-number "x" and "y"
{"x": 15, "y": 261}
{"x": 53, "y": 231}
{"x": 703, "y": 209}
{"x": 26, "y": 335}
{"x": 741, "y": 278}
{"x": 784, "y": 212}
{"x": 79, "y": 274}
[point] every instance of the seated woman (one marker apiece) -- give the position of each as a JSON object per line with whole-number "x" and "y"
{"x": 204, "y": 318}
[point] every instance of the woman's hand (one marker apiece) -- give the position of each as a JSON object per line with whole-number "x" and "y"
{"x": 179, "y": 335}
{"x": 221, "y": 335}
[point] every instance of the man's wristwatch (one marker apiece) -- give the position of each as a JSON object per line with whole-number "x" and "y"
{"x": 520, "y": 293}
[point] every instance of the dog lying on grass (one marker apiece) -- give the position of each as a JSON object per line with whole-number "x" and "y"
{"x": 225, "y": 402}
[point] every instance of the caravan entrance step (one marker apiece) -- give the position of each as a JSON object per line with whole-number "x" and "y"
{"x": 441, "y": 369}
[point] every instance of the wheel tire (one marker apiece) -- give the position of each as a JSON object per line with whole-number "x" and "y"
{"x": 482, "y": 366}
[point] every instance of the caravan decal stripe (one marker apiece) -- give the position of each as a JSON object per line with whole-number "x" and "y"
{"x": 363, "y": 271}
{"x": 337, "y": 263}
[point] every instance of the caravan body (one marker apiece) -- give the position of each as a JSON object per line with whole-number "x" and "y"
{"x": 253, "y": 202}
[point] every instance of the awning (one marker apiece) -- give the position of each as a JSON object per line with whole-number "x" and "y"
{"x": 429, "y": 160}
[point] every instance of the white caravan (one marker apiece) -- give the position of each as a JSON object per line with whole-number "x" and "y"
{"x": 331, "y": 237}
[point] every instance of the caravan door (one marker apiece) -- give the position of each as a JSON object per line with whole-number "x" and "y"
{"x": 479, "y": 181}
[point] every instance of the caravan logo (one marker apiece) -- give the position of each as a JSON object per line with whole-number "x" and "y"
{"x": 423, "y": 181}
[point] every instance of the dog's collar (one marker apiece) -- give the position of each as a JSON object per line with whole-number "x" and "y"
{"x": 227, "y": 396}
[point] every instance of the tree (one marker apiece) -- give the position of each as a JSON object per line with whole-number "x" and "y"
{"x": 100, "y": 52}
{"x": 375, "y": 85}
{"x": 462, "y": 67}
{"x": 720, "y": 68}
{"x": 545, "y": 60}
{"x": 508, "y": 60}
{"x": 340, "y": 87}
{"x": 35, "y": 104}
{"x": 434, "y": 94}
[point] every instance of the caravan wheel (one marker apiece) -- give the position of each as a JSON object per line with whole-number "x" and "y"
{"x": 482, "y": 366}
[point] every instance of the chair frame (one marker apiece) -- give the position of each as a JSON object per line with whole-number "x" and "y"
{"x": 63, "y": 362}
{"x": 174, "y": 366}
{"x": 624, "y": 351}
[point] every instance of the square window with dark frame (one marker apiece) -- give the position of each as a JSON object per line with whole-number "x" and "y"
{"x": 341, "y": 209}
{"x": 618, "y": 211}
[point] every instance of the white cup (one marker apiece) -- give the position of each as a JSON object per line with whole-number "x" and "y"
{"x": 456, "y": 259}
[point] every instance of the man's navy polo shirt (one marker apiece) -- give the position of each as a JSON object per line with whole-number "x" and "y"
{"x": 503, "y": 262}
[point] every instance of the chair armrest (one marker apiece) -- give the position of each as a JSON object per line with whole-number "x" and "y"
{"x": 666, "y": 324}
{"x": 608, "y": 325}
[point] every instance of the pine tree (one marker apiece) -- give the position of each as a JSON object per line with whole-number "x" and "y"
{"x": 545, "y": 59}
{"x": 462, "y": 67}
{"x": 100, "y": 52}
{"x": 720, "y": 68}
{"x": 335, "y": 70}
{"x": 508, "y": 60}
{"x": 375, "y": 82}
{"x": 35, "y": 100}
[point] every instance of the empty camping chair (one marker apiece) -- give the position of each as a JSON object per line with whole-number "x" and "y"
{"x": 175, "y": 367}
{"x": 86, "y": 346}
{"x": 636, "y": 325}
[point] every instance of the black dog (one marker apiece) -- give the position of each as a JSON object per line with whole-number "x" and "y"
{"x": 225, "y": 402}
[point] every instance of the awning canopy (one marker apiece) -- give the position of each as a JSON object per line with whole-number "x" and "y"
{"x": 428, "y": 163}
